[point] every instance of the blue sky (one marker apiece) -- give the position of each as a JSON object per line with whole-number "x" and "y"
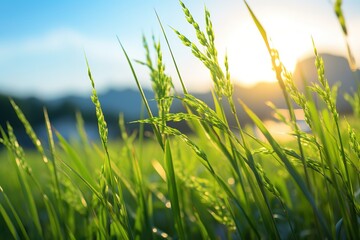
{"x": 42, "y": 43}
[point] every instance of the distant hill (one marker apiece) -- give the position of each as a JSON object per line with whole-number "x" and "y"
{"x": 337, "y": 70}
{"x": 112, "y": 101}
{"x": 128, "y": 101}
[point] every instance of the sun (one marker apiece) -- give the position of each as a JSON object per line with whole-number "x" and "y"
{"x": 249, "y": 59}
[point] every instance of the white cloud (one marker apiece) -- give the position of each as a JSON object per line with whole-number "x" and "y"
{"x": 56, "y": 41}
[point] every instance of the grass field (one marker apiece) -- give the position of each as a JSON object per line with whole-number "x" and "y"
{"x": 216, "y": 183}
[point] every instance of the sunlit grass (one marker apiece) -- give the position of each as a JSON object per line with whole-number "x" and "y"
{"x": 220, "y": 182}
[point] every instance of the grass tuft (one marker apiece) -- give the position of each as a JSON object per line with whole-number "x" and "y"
{"x": 218, "y": 182}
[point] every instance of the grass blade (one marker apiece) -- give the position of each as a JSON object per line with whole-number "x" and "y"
{"x": 155, "y": 129}
{"x": 16, "y": 216}
{"x": 9, "y": 222}
{"x": 143, "y": 226}
{"x": 76, "y": 161}
{"x": 22, "y": 169}
{"x": 172, "y": 55}
{"x": 29, "y": 130}
{"x": 260, "y": 27}
{"x": 173, "y": 191}
{"x": 290, "y": 168}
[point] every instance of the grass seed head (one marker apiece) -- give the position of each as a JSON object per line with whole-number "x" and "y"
{"x": 102, "y": 125}
{"x": 161, "y": 82}
{"x": 340, "y": 15}
{"x": 327, "y": 94}
{"x": 354, "y": 143}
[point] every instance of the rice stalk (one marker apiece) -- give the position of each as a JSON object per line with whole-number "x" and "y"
{"x": 111, "y": 188}
{"x": 23, "y": 169}
{"x": 30, "y": 131}
{"x": 172, "y": 55}
{"x": 223, "y": 85}
{"x": 292, "y": 171}
{"x": 143, "y": 221}
{"x": 9, "y": 221}
{"x": 328, "y": 96}
{"x": 145, "y": 101}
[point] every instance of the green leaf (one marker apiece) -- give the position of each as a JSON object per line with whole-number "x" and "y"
{"x": 259, "y": 26}
{"x": 291, "y": 169}
{"x": 340, "y": 16}
{"x": 173, "y": 191}
{"x": 16, "y": 216}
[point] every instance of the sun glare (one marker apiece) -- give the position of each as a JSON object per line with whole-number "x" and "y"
{"x": 250, "y": 62}
{"x": 249, "y": 59}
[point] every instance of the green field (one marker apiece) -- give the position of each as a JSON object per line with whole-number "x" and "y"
{"x": 219, "y": 182}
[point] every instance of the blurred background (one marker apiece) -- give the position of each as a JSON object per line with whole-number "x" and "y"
{"x": 43, "y": 46}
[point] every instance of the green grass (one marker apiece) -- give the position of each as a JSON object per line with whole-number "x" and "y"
{"x": 216, "y": 183}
